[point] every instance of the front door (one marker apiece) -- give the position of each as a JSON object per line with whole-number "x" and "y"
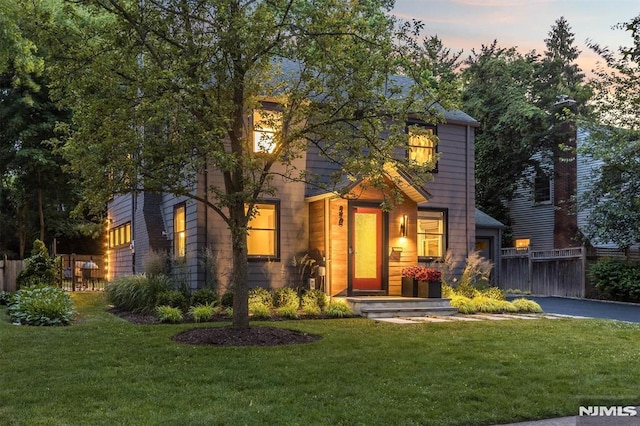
{"x": 366, "y": 249}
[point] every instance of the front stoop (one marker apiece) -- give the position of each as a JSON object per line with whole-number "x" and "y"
{"x": 399, "y": 307}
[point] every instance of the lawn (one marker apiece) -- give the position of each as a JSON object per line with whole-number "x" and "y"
{"x": 105, "y": 370}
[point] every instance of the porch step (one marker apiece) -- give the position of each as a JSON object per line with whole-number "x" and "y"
{"x": 398, "y": 307}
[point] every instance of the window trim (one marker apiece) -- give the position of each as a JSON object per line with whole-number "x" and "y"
{"x": 276, "y": 231}
{"x": 445, "y": 236}
{"x": 176, "y": 236}
{"x": 433, "y": 128}
{"x": 534, "y": 190}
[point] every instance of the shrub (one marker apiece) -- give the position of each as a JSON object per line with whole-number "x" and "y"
{"x": 202, "y": 313}
{"x": 136, "y": 292}
{"x": 259, "y": 295}
{"x": 525, "y": 305}
{"x": 616, "y": 279}
{"x": 466, "y": 290}
{"x": 447, "y": 291}
{"x": 477, "y": 271}
{"x": 40, "y": 268}
{"x": 463, "y": 303}
{"x": 41, "y": 305}
{"x": 288, "y": 312}
{"x": 286, "y": 298}
{"x": 205, "y": 296}
{"x": 259, "y": 310}
{"x": 338, "y": 309}
{"x": 506, "y": 306}
{"x": 493, "y": 293}
{"x": 169, "y": 314}
{"x": 486, "y": 304}
{"x": 311, "y": 310}
{"x": 157, "y": 263}
{"x": 315, "y": 298}
{"x": 227, "y": 299}
{"x": 173, "y": 298}
{"x": 5, "y": 297}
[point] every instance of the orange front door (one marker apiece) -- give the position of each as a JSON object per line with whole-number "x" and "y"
{"x": 366, "y": 249}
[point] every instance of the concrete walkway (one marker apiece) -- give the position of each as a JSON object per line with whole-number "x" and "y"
{"x": 560, "y": 421}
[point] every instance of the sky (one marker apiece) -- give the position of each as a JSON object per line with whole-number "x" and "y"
{"x": 525, "y": 24}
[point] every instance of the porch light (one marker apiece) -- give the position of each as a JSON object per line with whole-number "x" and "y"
{"x": 403, "y": 226}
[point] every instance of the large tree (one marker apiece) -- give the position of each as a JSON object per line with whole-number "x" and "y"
{"x": 37, "y": 193}
{"x": 614, "y": 140}
{"x": 497, "y": 92}
{"x": 161, "y": 90}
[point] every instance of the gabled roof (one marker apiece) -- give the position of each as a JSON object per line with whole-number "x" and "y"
{"x": 401, "y": 179}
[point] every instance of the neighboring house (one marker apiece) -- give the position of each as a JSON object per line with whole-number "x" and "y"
{"x": 361, "y": 248}
{"x": 546, "y": 213}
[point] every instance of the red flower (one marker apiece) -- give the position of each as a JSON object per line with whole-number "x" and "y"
{"x": 422, "y": 273}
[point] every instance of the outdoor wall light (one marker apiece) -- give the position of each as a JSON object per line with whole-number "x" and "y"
{"x": 340, "y": 216}
{"x": 403, "y": 226}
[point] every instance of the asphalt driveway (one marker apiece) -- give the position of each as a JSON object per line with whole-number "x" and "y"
{"x": 589, "y": 308}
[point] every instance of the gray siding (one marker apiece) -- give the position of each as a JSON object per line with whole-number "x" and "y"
{"x": 531, "y": 220}
{"x": 120, "y": 212}
{"x": 453, "y": 188}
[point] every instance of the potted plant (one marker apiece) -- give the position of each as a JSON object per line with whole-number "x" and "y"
{"x": 420, "y": 281}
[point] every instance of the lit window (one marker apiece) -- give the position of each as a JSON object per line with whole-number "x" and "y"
{"x": 120, "y": 235}
{"x": 262, "y": 238}
{"x": 422, "y": 145}
{"x": 266, "y": 125}
{"x": 431, "y": 233}
{"x": 522, "y": 243}
{"x": 180, "y": 231}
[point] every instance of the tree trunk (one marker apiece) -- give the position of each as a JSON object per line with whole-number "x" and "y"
{"x": 240, "y": 268}
{"x": 41, "y": 214}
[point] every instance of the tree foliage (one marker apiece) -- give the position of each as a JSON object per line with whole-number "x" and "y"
{"x": 614, "y": 140}
{"x": 162, "y": 91}
{"x": 36, "y": 192}
{"x": 497, "y": 92}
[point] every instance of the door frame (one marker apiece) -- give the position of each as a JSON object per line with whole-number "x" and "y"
{"x": 384, "y": 274}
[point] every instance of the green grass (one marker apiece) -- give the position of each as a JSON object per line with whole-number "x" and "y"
{"x": 104, "y": 370}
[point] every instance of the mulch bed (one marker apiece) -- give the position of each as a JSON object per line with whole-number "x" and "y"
{"x": 226, "y": 336}
{"x": 252, "y": 336}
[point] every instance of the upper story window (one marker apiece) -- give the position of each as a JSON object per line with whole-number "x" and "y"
{"x": 120, "y": 235}
{"x": 263, "y": 241}
{"x": 423, "y": 145}
{"x": 267, "y": 123}
{"x": 432, "y": 234}
{"x": 180, "y": 231}
{"x": 541, "y": 189}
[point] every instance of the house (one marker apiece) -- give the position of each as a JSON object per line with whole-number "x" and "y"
{"x": 361, "y": 248}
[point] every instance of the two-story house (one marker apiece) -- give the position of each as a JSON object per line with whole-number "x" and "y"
{"x": 361, "y": 247}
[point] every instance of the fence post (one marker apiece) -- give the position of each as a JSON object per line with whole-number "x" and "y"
{"x": 73, "y": 273}
{"x": 530, "y": 273}
{"x": 583, "y": 250}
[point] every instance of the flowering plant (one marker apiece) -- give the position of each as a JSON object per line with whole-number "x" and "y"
{"x": 422, "y": 273}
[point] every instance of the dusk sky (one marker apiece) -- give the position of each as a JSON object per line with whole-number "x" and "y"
{"x": 467, "y": 24}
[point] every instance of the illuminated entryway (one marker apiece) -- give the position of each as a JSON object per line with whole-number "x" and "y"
{"x": 366, "y": 250}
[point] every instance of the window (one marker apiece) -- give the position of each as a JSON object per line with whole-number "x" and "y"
{"x": 266, "y": 125}
{"x": 522, "y": 243}
{"x": 180, "y": 231}
{"x": 431, "y": 233}
{"x": 263, "y": 239}
{"x": 541, "y": 189}
{"x": 120, "y": 235}
{"x": 422, "y": 145}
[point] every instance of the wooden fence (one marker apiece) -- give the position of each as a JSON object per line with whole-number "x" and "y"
{"x": 77, "y": 272}
{"x": 560, "y": 272}
{"x": 9, "y": 270}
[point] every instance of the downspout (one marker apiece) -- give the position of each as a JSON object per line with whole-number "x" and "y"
{"x": 466, "y": 187}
